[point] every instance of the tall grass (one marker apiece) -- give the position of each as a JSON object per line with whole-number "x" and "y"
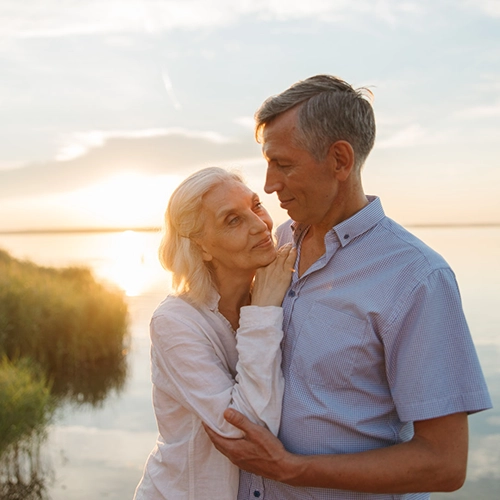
{"x": 63, "y": 336}
{"x": 72, "y": 326}
{"x": 26, "y": 407}
{"x": 26, "y": 404}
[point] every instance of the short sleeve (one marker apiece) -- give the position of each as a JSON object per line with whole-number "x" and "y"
{"x": 431, "y": 362}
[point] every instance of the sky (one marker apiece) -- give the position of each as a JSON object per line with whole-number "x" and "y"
{"x": 105, "y": 106}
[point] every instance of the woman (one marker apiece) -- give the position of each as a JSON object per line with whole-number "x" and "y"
{"x": 216, "y": 342}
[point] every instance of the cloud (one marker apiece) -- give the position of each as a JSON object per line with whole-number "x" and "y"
{"x": 92, "y": 156}
{"x": 79, "y": 143}
{"x": 57, "y": 18}
{"x": 198, "y": 13}
{"x": 247, "y": 122}
{"x": 100, "y": 445}
{"x": 488, "y": 111}
{"x": 485, "y": 460}
{"x": 488, "y": 7}
{"x": 409, "y": 136}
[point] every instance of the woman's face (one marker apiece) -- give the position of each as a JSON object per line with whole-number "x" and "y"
{"x": 237, "y": 229}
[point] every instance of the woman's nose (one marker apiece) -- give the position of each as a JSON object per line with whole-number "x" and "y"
{"x": 258, "y": 224}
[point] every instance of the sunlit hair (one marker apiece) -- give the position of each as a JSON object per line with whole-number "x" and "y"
{"x": 329, "y": 110}
{"x": 183, "y": 224}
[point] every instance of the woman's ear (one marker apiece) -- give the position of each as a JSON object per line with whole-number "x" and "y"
{"x": 207, "y": 257}
{"x": 342, "y": 154}
{"x": 205, "y": 254}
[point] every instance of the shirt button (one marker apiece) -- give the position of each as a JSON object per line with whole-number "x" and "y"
{"x": 291, "y": 293}
{"x": 346, "y": 236}
{"x": 256, "y": 493}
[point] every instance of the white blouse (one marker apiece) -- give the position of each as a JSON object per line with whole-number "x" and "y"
{"x": 199, "y": 368}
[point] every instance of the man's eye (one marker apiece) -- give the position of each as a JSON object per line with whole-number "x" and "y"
{"x": 233, "y": 221}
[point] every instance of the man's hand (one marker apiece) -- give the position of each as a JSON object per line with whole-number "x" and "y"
{"x": 434, "y": 460}
{"x": 259, "y": 451}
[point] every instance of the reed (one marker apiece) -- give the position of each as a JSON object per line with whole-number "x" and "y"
{"x": 26, "y": 404}
{"x": 26, "y": 408}
{"x": 74, "y": 327}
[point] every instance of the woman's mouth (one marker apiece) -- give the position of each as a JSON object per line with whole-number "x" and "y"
{"x": 267, "y": 241}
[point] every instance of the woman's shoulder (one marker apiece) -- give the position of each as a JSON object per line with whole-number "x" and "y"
{"x": 175, "y": 306}
{"x": 179, "y": 311}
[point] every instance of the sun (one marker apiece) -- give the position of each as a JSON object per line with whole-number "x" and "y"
{"x": 127, "y": 200}
{"x": 133, "y": 268}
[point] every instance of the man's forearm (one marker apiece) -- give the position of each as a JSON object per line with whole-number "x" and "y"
{"x": 434, "y": 460}
{"x": 407, "y": 467}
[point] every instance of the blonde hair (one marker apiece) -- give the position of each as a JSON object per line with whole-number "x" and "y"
{"x": 184, "y": 222}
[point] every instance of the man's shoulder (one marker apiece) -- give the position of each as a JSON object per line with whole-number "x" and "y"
{"x": 397, "y": 235}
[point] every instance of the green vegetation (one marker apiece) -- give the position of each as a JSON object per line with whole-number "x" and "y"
{"x": 62, "y": 338}
{"x": 25, "y": 401}
{"x": 71, "y": 325}
{"x": 26, "y": 406}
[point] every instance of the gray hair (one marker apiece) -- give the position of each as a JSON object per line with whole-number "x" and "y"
{"x": 184, "y": 222}
{"x": 330, "y": 110}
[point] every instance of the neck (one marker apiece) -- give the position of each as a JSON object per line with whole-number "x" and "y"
{"x": 350, "y": 200}
{"x": 234, "y": 291}
{"x": 347, "y": 203}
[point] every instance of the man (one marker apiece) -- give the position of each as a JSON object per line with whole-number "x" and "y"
{"x": 380, "y": 370}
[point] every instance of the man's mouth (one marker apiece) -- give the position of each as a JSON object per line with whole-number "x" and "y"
{"x": 285, "y": 203}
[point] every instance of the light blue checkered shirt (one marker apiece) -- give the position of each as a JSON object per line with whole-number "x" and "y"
{"x": 375, "y": 338}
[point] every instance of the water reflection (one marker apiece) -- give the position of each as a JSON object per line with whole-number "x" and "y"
{"x": 129, "y": 267}
{"x": 23, "y": 474}
{"x": 100, "y": 453}
{"x": 68, "y": 337}
{"x": 95, "y": 384}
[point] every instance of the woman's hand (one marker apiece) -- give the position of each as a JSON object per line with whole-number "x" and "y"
{"x": 272, "y": 281}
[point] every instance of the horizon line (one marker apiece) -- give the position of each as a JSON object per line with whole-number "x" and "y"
{"x": 81, "y": 230}
{"x": 151, "y": 229}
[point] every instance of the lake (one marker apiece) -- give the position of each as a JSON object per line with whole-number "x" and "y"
{"x": 98, "y": 453}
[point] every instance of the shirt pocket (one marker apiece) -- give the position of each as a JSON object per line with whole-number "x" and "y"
{"x": 327, "y": 347}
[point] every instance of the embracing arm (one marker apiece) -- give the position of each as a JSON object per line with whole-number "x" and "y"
{"x": 190, "y": 366}
{"x": 190, "y": 361}
{"x": 434, "y": 460}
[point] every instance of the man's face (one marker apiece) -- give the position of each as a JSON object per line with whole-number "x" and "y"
{"x": 305, "y": 186}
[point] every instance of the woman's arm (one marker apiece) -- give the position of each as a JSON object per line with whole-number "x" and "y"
{"x": 192, "y": 368}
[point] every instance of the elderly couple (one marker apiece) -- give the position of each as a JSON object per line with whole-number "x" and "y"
{"x": 338, "y": 366}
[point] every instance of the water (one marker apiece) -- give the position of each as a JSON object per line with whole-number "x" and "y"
{"x": 98, "y": 453}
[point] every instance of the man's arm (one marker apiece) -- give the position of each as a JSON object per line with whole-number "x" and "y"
{"x": 434, "y": 460}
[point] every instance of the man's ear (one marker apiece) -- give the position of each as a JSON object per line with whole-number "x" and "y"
{"x": 342, "y": 154}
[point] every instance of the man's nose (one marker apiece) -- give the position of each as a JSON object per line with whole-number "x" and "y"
{"x": 272, "y": 183}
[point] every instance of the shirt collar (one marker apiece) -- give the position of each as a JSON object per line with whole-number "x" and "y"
{"x": 213, "y": 300}
{"x": 347, "y": 230}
